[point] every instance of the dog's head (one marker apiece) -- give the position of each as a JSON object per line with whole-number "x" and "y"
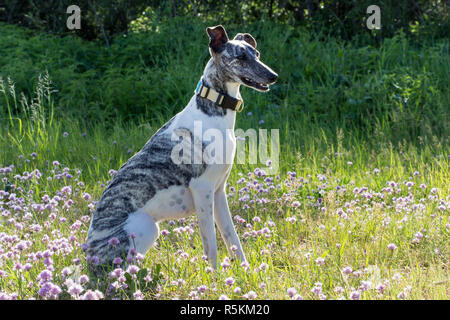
{"x": 238, "y": 59}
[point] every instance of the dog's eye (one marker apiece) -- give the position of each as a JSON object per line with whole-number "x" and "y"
{"x": 242, "y": 56}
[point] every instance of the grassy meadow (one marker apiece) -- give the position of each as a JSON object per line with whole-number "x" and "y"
{"x": 359, "y": 209}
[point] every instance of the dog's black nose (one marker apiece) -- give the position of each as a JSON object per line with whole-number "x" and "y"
{"x": 273, "y": 77}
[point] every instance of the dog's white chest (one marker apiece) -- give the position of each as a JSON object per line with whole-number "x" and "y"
{"x": 176, "y": 201}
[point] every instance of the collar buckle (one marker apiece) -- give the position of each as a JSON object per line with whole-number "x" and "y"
{"x": 239, "y": 106}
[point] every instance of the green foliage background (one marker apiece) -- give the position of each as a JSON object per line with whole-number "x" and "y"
{"x": 342, "y": 18}
{"x": 396, "y": 89}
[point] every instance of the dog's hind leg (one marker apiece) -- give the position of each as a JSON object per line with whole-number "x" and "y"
{"x": 224, "y": 222}
{"x": 144, "y": 230}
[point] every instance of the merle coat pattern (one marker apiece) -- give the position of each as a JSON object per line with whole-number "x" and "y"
{"x": 150, "y": 187}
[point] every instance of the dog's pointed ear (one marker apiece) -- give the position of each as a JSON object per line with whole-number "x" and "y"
{"x": 247, "y": 37}
{"x": 217, "y": 37}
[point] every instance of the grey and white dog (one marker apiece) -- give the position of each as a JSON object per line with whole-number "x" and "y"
{"x": 150, "y": 187}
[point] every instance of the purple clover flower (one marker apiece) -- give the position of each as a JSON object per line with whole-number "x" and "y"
{"x": 391, "y": 246}
{"x": 355, "y": 295}
{"x": 113, "y": 241}
{"x": 291, "y": 292}
{"x": 133, "y": 269}
{"x": 320, "y": 261}
{"x": 229, "y": 281}
{"x": 347, "y": 270}
{"x": 250, "y": 295}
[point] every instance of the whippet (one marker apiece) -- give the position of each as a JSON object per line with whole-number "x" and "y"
{"x": 150, "y": 187}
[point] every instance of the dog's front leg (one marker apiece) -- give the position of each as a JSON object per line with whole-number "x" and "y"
{"x": 222, "y": 215}
{"x": 203, "y": 196}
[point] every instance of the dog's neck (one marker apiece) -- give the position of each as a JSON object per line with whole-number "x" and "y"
{"x": 215, "y": 79}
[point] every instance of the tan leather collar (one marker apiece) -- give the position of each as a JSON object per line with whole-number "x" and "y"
{"x": 222, "y": 100}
